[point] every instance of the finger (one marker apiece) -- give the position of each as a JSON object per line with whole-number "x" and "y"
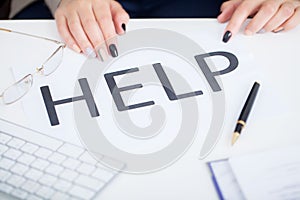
{"x": 238, "y": 18}
{"x": 78, "y": 33}
{"x": 285, "y": 11}
{"x": 227, "y": 9}
{"x": 293, "y": 21}
{"x": 106, "y": 24}
{"x": 265, "y": 13}
{"x": 91, "y": 27}
{"x": 64, "y": 32}
{"x": 120, "y": 17}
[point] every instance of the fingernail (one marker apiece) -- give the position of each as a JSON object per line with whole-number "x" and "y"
{"x": 277, "y": 30}
{"x": 113, "y": 50}
{"x": 248, "y": 32}
{"x": 89, "y": 52}
{"x": 124, "y": 27}
{"x": 102, "y": 54}
{"x": 76, "y": 48}
{"x": 227, "y": 36}
{"x": 261, "y": 31}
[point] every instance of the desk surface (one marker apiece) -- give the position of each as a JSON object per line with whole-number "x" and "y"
{"x": 278, "y": 58}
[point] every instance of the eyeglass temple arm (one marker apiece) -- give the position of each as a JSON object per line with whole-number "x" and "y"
{"x": 4, "y": 29}
{"x": 30, "y": 35}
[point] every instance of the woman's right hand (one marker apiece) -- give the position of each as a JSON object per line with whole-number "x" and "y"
{"x": 268, "y": 15}
{"x": 85, "y": 25}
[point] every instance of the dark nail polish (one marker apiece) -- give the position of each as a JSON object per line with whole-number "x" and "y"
{"x": 227, "y": 36}
{"x": 124, "y": 27}
{"x": 113, "y": 50}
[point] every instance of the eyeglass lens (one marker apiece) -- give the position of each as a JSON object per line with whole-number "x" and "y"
{"x": 53, "y": 62}
{"x": 18, "y": 90}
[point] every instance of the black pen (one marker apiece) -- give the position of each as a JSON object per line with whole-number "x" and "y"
{"x": 245, "y": 112}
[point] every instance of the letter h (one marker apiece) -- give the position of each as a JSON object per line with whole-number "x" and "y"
{"x": 87, "y": 96}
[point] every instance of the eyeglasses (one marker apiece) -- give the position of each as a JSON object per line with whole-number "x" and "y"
{"x": 21, "y": 87}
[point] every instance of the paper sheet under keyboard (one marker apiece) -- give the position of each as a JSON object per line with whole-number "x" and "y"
{"x": 269, "y": 175}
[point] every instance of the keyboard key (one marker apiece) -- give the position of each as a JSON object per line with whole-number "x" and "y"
{"x": 4, "y": 138}
{"x": 45, "y": 192}
{"x": 43, "y": 153}
{"x": 54, "y": 169}
{"x": 6, "y": 163}
{"x": 12, "y": 154}
{"x": 71, "y": 150}
{"x": 33, "y": 174}
{"x": 19, "y": 169}
{"x": 29, "y": 148}
{"x": 21, "y": 194}
{"x": 34, "y": 197}
{"x": 71, "y": 163}
{"x": 40, "y": 164}
{"x": 86, "y": 157}
{"x": 86, "y": 169}
{"x": 59, "y": 196}
{"x": 15, "y": 180}
{"x": 62, "y": 185}
{"x": 103, "y": 174}
{"x": 57, "y": 158}
{"x": 68, "y": 175}
{"x": 89, "y": 182}
{"x": 26, "y": 159}
{"x": 5, "y": 188}
{"x": 47, "y": 179}
{"x": 16, "y": 143}
{"x": 30, "y": 186}
{"x": 4, "y": 174}
{"x": 3, "y": 148}
{"x": 80, "y": 192}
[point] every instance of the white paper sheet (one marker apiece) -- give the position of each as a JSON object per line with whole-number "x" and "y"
{"x": 269, "y": 175}
{"x": 62, "y": 81}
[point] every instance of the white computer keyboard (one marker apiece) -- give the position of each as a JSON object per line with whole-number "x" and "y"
{"x": 36, "y": 166}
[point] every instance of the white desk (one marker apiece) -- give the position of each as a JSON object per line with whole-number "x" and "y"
{"x": 189, "y": 178}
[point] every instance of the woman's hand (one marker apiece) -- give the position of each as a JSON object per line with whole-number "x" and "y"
{"x": 87, "y": 24}
{"x": 268, "y": 15}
